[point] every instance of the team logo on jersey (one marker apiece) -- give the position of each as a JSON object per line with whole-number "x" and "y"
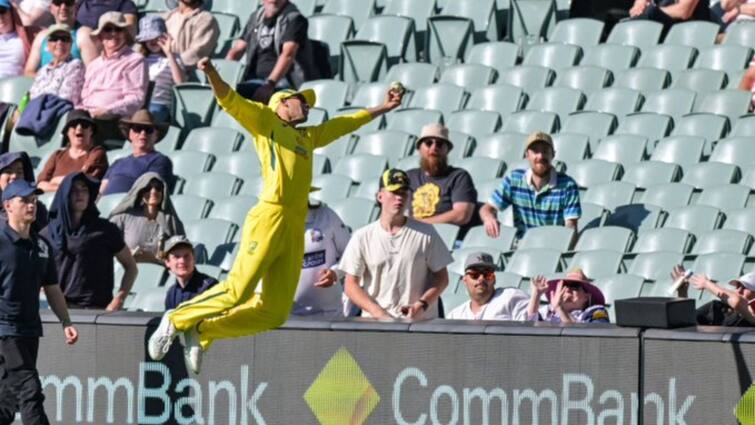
{"x": 252, "y": 247}
{"x": 43, "y": 249}
{"x": 316, "y": 235}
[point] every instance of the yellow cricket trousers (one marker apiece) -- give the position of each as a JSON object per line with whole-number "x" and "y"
{"x": 272, "y": 247}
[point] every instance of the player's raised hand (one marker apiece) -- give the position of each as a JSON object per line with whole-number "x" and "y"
{"x": 394, "y": 96}
{"x": 205, "y": 65}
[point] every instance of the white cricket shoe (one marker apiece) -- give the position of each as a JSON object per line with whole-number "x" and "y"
{"x": 193, "y": 350}
{"x": 160, "y": 341}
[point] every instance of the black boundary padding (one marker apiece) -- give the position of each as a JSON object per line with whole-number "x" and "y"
{"x": 129, "y": 318}
{"x": 602, "y": 330}
{"x": 370, "y": 325}
{"x": 295, "y": 323}
{"x": 524, "y": 328}
{"x": 77, "y": 316}
{"x": 449, "y": 326}
{"x": 693, "y": 333}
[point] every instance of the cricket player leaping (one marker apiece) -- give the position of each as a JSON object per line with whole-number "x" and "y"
{"x": 272, "y": 241}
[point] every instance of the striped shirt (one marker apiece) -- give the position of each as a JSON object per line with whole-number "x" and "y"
{"x": 158, "y": 67}
{"x": 555, "y": 203}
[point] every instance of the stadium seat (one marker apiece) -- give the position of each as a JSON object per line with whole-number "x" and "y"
{"x": 395, "y": 32}
{"x": 481, "y": 12}
{"x": 440, "y": 97}
{"x": 740, "y": 33}
{"x": 12, "y": 89}
{"x": 448, "y": 39}
{"x": 229, "y": 26}
{"x": 499, "y": 55}
{"x": 710, "y": 126}
{"x": 668, "y": 196}
{"x": 362, "y": 61}
{"x": 636, "y": 216}
{"x": 592, "y": 216}
{"x": 720, "y": 267}
{"x": 663, "y": 239}
{"x": 233, "y": 208}
{"x": 485, "y": 190}
{"x": 656, "y": 265}
{"x": 502, "y": 98}
{"x": 742, "y": 219}
{"x": 619, "y": 286}
{"x": 609, "y": 237}
{"x": 463, "y": 144}
{"x": 582, "y": 32}
{"x": 193, "y": 105}
{"x": 217, "y": 141}
{"x": 530, "y": 20}
{"x": 452, "y": 299}
{"x": 411, "y": 120}
{"x": 190, "y": 206}
{"x": 672, "y": 102}
{"x": 358, "y": 11}
{"x": 729, "y": 103}
{"x": 239, "y": 165}
{"x": 361, "y": 167}
{"x": 610, "y": 56}
{"x": 481, "y": 168}
{"x": 587, "y": 79}
{"x": 619, "y": 102}
{"x": 724, "y": 57}
{"x": 722, "y": 240}
{"x": 448, "y": 233}
{"x": 413, "y": 75}
{"x": 595, "y": 125}
{"x": 591, "y": 172}
{"x": 106, "y": 203}
{"x": 530, "y": 121}
{"x": 748, "y": 177}
{"x": 355, "y": 212}
{"x": 475, "y": 123}
{"x": 621, "y": 148}
{"x": 209, "y": 233}
{"x": 561, "y": 100}
{"x": 231, "y": 71}
{"x": 392, "y": 144}
{"x": 647, "y": 125}
{"x": 368, "y": 189}
{"x": 549, "y": 237}
{"x": 212, "y": 185}
{"x": 508, "y": 147}
{"x": 37, "y": 147}
{"x": 668, "y": 57}
{"x": 644, "y": 80}
{"x": 570, "y": 147}
{"x": 470, "y": 75}
{"x": 528, "y": 78}
{"x": 610, "y": 195}
{"x": 508, "y": 280}
{"x": 638, "y": 33}
{"x": 744, "y": 126}
{"x": 695, "y": 218}
{"x": 316, "y": 117}
{"x": 331, "y": 30}
{"x": 695, "y": 34}
{"x": 598, "y": 263}
{"x": 252, "y": 186}
{"x": 221, "y": 119}
{"x": 148, "y": 299}
{"x": 369, "y": 94}
{"x": 725, "y": 196}
{"x": 333, "y": 187}
{"x": 707, "y": 174}
{"x": 552, "y": 55}
{"x": 533, "y": 262}
{"x": 331, "y": 94}
{"x": 418, "y": 10}
{"x": 698, "y": 80}
{"x": 186, "y": 162}
{"x": 477, "y": 238}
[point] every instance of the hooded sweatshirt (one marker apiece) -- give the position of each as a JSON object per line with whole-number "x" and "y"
{"x": 9, "y": 158}
{"x": 83, "y": 254}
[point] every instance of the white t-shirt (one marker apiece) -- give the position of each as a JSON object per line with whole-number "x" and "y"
{"x": 159, "y": 72}
{"x": 325, "y": 239}
{"x": 744, "y": 17}
{"x": 12, "y": 55}
{"x": 506, "y": 304}
{"x": 395, "y": 270}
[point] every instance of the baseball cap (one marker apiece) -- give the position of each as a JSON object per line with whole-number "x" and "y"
{"x": 52, "y": 29}
{"x": 479, "y": 259}
{"x": 175, "y": 241}
{"x": 538, "y": 136}
{"x": 279, "y": 96}
{"x": 747, "y": 280}
{"x": 394, "y": 180}
{"x": 20, "y": 188}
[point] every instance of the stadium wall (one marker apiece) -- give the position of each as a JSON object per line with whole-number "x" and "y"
{"x": 359, "y": 372}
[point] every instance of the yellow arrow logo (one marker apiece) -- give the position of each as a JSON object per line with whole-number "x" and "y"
{"x": 745, "y": 410}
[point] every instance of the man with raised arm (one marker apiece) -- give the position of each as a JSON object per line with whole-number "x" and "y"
{"x": 272, "y": 241}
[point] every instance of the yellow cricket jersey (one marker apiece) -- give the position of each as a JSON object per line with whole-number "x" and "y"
{"x": 286, "y": 152}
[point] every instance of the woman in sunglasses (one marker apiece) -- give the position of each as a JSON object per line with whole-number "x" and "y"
{"x": 147, "y": 218}
{"x": 572, "y": 299}
{"x": 64, "y": 75}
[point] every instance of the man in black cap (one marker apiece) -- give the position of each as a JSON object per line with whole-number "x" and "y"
{"x": 26, "y": 264}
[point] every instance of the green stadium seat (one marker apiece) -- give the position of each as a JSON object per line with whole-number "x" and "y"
{"x": 655, "y": 265}
{"x": 320, "y": 164}
{"x": 242, "y": 9}
{"x": 252, "y": 186}
{"x": 217, "y": 141}
{"x": 508, "y": 280}
{"x": 333, "y": 187}
{"x": 668, "y": 57}
{"x": 720, "y": 267}
{"x": 480, "y": 168}
{"x": 740, "y": 33}
{"x": 729, "y": 103}
{"x": 442, "y": 97}
{"x": 552, "y": 55}
{"x": 37, "y": 147}
{"x": 448, "y": 233}
{"x": 710, "y": 126}
{"x": 190, "y": 206}
{"x": 239, "y": 165}
{"x": 316, "y": 117}
{"x": 644, "y": 80}
{"x": 469, "y": 75}
{"x": 638, "y": 33}
{"x": 663, "y": 239}
{"x": 592, "y": 216}
{"x": 473, "y": 122}
{"x": 636, "y": 216}
{"x": 369, "y": 94}
{"x": 392, "y": 144}
{"x": 208, "y": 234}
{"x": 725, "y": 196}
{"x": 598, "y": 263}
{"x": 485, "y": 189}
{"x": 148, "y": 300}
{"x": 591, "y": 172}
{"x": 221, "y": 119}
{"x": 355, "y": 212}
{"x": 186, "y": 162}
{"x": 362, "y": 61}
{"x": 499, "y": 55}
{"x": 212, "y": 185}
{"x": 358, "y": 11}
{"x": 722, "y": 240}
{"x": 306, "y": 7}
{"x": 668, "y": 195}
{"x": 413, "y": 75}
{"x": 582, "y": 32}
{"x": 610, "y": 56}
{"x": 744, "y": 126}
{"x": 477, "y": 238}
{"x": 331, "y": 30}
{"x": 481, "y": 12}
{"x": 331, "y": 94}
{"x": 672, "y": 102}
{"x": 619, "y": 286}
{"x": 504, "y": 99}
{"x": 530, "y": 121}
{"x": 698, "y": 80}
{"x": 723, "y": 57}
{"x": 231, "y": 71}
{"x": 451, "y": 300}
{"x": 361, "y": 167}
{"x": 193, "y": 105}
{"x": 595, "y": 125}
{"x": 616, "y": 101}
{"x": 106, "y": 203}
{"x": 12, "y": 89}
{"x": 647, "y": 125}
{"x": 411, "y": 120}
{"x": 708, "y": 174}
{"x": 695, "y": 34}
{"x": 171, "y": 141}
{"x": 368, "y": 189}
{"x": 561, "y": 100}
{"x": 587, "y": 79}
{"x": 448, "y": 40}
{"x": 463, "y": 144}
{"x": 528, "y": 78}
{"x": 548, "y": 237}
{"x": 740, "y": 219}
{"x": 229, "y": 26}
{"x": 533, "y": 262}
{"x": 570, "y": 147}
{"x": 609, "y": 237}
{"x": 418, "y": 10}
{"x": 695, "y": 219}
{"x": 530, "y": 21}
{"x": 610, "y": 195}
{"x": 395, "y": 32}
{"x": 622, "y": 148}
{"x": 508, "y": 147}
{"x": 233, "y": 208}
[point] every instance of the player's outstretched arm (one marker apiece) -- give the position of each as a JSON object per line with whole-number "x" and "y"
{"x": 219, "y": 87}
{"x": 392, "y": 101}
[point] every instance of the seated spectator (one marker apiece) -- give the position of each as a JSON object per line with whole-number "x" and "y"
{"x": 90, "y": 12}
{"x": 63, "y": 76}
{"x": 572, "y": 299}
{"x": 17, "y": 166}
{"x": 396, "y": 266}
{"x": 670, "y": 12}
{"x": 143, "y": 132}
{"x": 172, "y": 4}
{"x": 194, "y": 31}
{"x": 732, "y": 308}
{"x": 278, "y": 52}
{"x": 440, "y": 193}
{"x": 485, "y": 301}
{"x": 82, "y": 48}
{"x": 146, "y": 218}
{"x": 178, "y": 257}
{"x": 84, "y": 245}
{"x": 34, "y": 13}
{"x": 165, "y": 68}
{"x": 736, "y": 11}
{"x": 115, "y": 84}
{"x": 79, "y": 156}
{"x": 325, "y": 239}
{"x": 540, "y": 195}
{"x": 14, "y": 43}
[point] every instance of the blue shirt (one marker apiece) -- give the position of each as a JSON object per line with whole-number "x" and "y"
{"x": 556, "y": 202}
{"x": 198, "y": 283}
{"x": 124, "y": 172}
{"x": 25, "y": 266}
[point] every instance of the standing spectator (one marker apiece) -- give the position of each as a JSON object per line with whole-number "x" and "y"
{"x": 26, "y": 265}
{"x": 572, "y": 299}
{"x": 146, "y": 218}
{"x": 539, "y": 195}
{"x": 83, "y": 48}
{"x": 440, "y": 193}
{"x": 278, "y": 52}
{"x": 90, "y": 12}
{"x": 325, "y": 239}
{"x": 143, "y": 131}
{"x": 14, "y": 46}
{"x": 63, "y": 76}
{"x": 17, "y": 166}
{"x": 84, "y": 246}
{"x": 178, "y": 256}
{"x": 194, "y": 31}
{"x": 80, "y": 154}
{"x": 670, "y": 12}
{"x": 731, "y": 308}
{"x": 396, "y": 266}
{"x": 164, "y": 66}
{"x": 485, "y": 301}
{"x": 115, "y": 84}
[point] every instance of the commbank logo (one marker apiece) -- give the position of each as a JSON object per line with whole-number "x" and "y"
{"x": 341, "y": 394}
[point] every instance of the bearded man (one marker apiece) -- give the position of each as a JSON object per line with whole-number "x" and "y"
{"x": 540, "y": 196}
{"x": 440, "y": 193}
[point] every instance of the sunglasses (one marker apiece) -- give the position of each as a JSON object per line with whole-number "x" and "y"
{"x": 65, "y": 2}
{"x": 572, "y": 286}
{"x": 55, "y": 38}
{"x": 474, "y": 274}
{"x": 157, "y": 186}
{"x": 112, "y": 29}
{"x": 86, "y": 125}
{"x": 142, "y": 128}
{"x": 436, "y": 142}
